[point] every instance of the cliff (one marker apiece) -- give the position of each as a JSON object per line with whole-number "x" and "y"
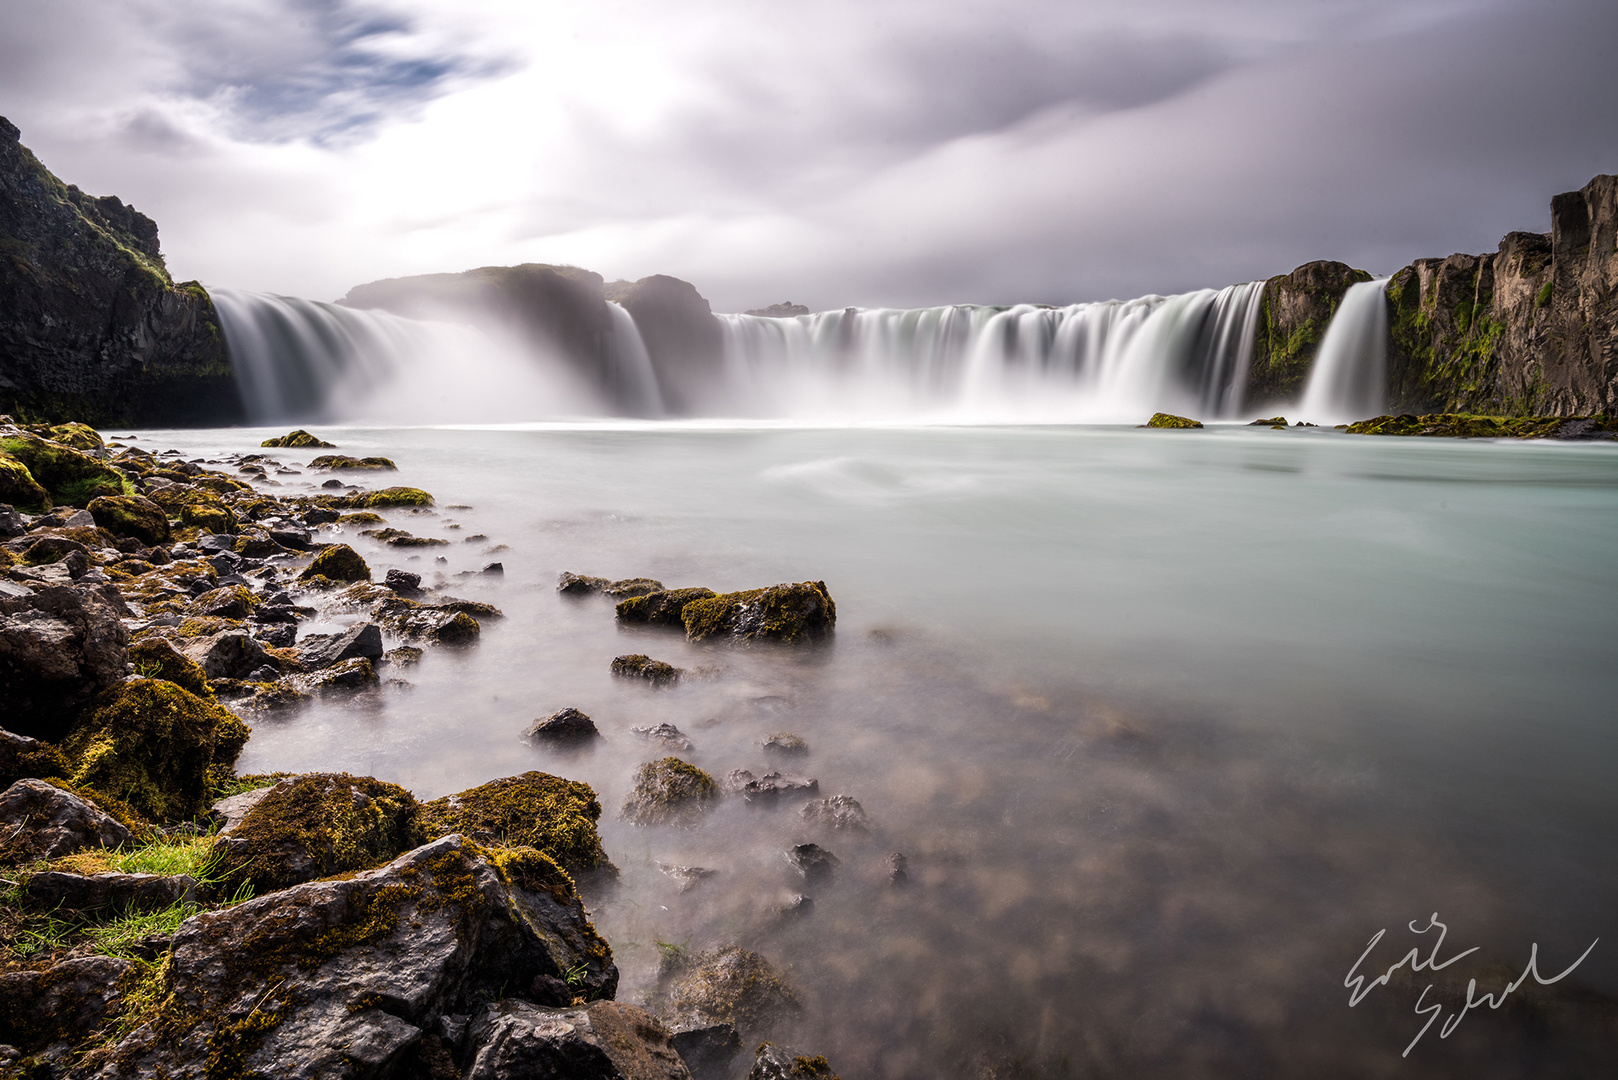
{"x": 91, "y": 326}
{"x": 1296, "y": 310}
{"x": 1531, "y": 329}
{"x": 682, "y": 337}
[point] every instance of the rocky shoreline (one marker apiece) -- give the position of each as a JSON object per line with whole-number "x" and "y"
{"x": 162, "y": 915}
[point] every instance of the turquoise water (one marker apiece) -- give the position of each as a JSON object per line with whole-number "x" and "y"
{"x": 1168, "y": 724}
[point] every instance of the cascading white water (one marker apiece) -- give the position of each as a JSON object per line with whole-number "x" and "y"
{"x": 302, "y": 360}
{"x": 633, "y": 380}
{"x": 1096, "y": 361}
{"x": 1349, "y": 379}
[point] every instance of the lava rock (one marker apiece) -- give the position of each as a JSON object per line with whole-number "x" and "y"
{"x": 230, "y": 602}
{"x": 567, "y": 727}
{"x": 898, "y": 868}
{"x": 784, "y": 613}
{"x": 348, "y": 677}
{"x": 1170, "y": 421}
{"x": 732, "y": 985}
{"x": 49, "y": 822}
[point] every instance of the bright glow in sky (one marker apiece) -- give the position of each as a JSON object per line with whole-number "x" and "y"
{"x": 830, "y": 153}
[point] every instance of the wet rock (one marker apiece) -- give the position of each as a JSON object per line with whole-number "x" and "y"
{"x": 299, "y": 439}
{"x": 783, "y": 1063}
{"x": 337, "y": 563}
{"x": 332, "y": 483}
{"x": 349, "y": 974}
{"x": 232, "y": 811}
{"x": 767, "y": 790}
{"x": 493, "y": 569}
{"x": 689, "y": 877}
{"x": 22, "y": 757}
{"x": 898, "y": 868}
{"x": 292, "y": 539}
{"x": 817, "y": 865}
{"x": 63, "y": 1002}
{"x": 604, "y": 1041}
{"x": 1169, "y": 420}
{"x": 403, "y": 582}
{"x": 570, "y": 584}
{"x": 393, "y": 496}
{"x": 665, "y": 608}
{"x": 1274, "y": 421}
{"x": 156, "y": 658}
{"x": 343, "y": 461}
{"x": 840, "y": 813}
{"x": 403, "y": 656}
{"x": 665, "y": 735}
{"x": 434, "y": 625}
{"x": 11, "y": 522}
{"x": 318, "y": 824}
{"x": 45, "y": 822}
{"x": 641, "y": 666}
{"x": 784, "y": 613}
{"x": 228, "y": 654}
{"x": 707, "y": 1047}
{"x": 732, "y": 985}
{"x": 53, "y": 890}
{"x": 670, "y": 792}
{"x": 797, "y": 906}
{"x": 552, "y": 815}
{"x": 277, "y": 635}
{"x": 363, "y": 641}
{"x": 58, "y": 648}
{"x": 156, "y": 745}
{"x": 567, "y": 727}
{"x": 321, "y": 515}
{"x": 784, "y": 744}
{"x": 133, "y": 516}
{"x": 230, "y": 602}
{"x": 347, "y": 677}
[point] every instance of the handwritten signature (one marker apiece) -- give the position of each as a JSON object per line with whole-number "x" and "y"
{"x": 1358, "y": 987}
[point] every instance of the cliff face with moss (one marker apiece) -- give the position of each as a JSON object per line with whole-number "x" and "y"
{"x": 1296, "y": 309}
{"x": 1531, "y": 329}
{"x": 91, "y": 326}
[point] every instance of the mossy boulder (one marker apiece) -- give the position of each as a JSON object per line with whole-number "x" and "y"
{"x": 338, "y": 563}
{"x": 640, "y": 666}
{"x": 22, "y": 757}
{"x": 78, "y": 436}
{"x": 319, "y": 824}
{"x": 156, "y": 746}
{"x": 734, "y": 985}
{"x": 1172, "y": 422}
{"x": 72, "y": 477}
{"x": 392, "y": 496}
{"x": 662, "y": 608}
{"x": 155, "y": 658}
{"x": 1468, "y": 426}
{"x": 299, "y": 439}
{"x": 670, "y": 792}
{"x": 132, "y": 516}
{"x": 784, "y": 613}
{"x": 343, "y": 461}
{"x": 537, "y": 810}
{"x": 19, "y": 488}
{"x": 235, "y": 602}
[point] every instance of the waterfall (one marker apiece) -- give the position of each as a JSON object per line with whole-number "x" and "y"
{"x": 301, "y": 360}
{"x": 1349, "y": 379}
{"x": 632, "y": 378}
{"x": 1115, "y": 360}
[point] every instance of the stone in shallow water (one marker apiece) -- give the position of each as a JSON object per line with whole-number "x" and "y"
{"x": 817, "y": 865}
{"x": 605, "y": 1041}
{"x": 670, "y": 792}
{"x": 768, "y": 789}
{"x": 689, "y": 877}
{"x": 641, "y": 666}
{"x": 840, "y": 813}
{"x": 665, "y": 735}
{"x": 566, "y": 727}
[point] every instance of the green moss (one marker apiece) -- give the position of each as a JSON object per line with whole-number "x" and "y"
{"x": 536, "y": 810}
{"x": 1473, "y": 426}
{"x": 155, "y": 658}
{"x": 784, "y": 613}
{"x": 363, "y": 517}
{"x": 297, "y": 439}
{"x": 338, "y": 563}
{"x": 664, "y": 608}
{"x": 38, "y": 761}
{"x": 1546, "y": 290}
{"x": 132, "y": 516}
{"x": 670, "y": 792}
{"x": 1170, "y": 421}
{"x": 343, "y": 461}
{"x": 72, "y": 478}
{"x": 151, "y": 743}
{"x": 79, "y": 436}
{"x": 393, "y": 496}
{"x": 320, "y": 824}
{"x": 19, "y": 488}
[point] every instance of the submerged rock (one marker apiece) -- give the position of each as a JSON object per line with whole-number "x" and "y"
{"x": 840, "y": 813}
{"x": 362, "y": 641}
{"x": 1460, "y": 426}
{"x": 340, "y": 979}
{"x": 689, "y": 877}
{"x": 785, "y": 744}
{"x": 570, "y": 584}
{"x": 670, "y": 792}
{"x": 393, "y": 496}
{"x": 817, "y": 865}
{"x": 347, "y": 677}
{"x": 1169, "y": 420}
{"x": 732, "y": 985}
{"x": 784, "y": 613}
{"x": 567, "y": 727}
{"x": 343, "y": 461}
{"x": 298, "y": 439}
{"x": 768, "y": 789}
{"x": 666, "y": 735}
{"x": 782, "y": 1063}
{"x": 604, "y": 1041}
{"x": 641, "y": 666}
{"x": 537, "y": 810}
{"x": 665, "y": 608}
{"x": 42, "y": 821}
{"x": 338, "y": 563}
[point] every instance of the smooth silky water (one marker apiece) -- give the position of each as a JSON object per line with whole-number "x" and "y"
{"x": 1168, "y": 724}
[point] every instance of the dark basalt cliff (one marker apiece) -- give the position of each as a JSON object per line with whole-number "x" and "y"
{"x": 91, "y": 326}
{"x": 1296, "y": 310}
{"x": 1531, "y": 329}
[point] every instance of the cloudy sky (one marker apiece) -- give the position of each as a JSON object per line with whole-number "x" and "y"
{"x": 832, "y": 153}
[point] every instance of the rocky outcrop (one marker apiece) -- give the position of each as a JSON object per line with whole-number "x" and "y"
{"x": 682, "y": 337}
{"x": 1292, "y": 321}
{"x": 1531, "y": 329}
{"x": 91, "y": 325}
{"x": 45, "y": 822}
{"x": 58, "y": 649}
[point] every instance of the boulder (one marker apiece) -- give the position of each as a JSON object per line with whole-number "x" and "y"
{"x": 227, "y": 654}
{"x": 567, "y": 727}
{"x": 72, "y": 477}
{"x": 840, "y": 813}
{"x": 784, "y": 744}
{"x": 299, "y": 439}
{"x": 318, "y": 824}
{"x": 733, "y": 985}
{"x": 61, "y": 1003}
{"x": 228, "y": 602}
{"x": 689, "y": 877}
{"x": 784, "y": 613}
{"x": 46, "y": 822}
{"x": 767, "y": 789}
{"x": 55, "y": 890}
{"x": 157, "y": 746}
{"x": 338, "y": 563}
{"x": 1170, "y": 421}
{"x": 665, "y": 735}
{"x": 604, "y": 1041}
{"x": 131, "y": 515}
{"x": 782, "y": 1063}
{"x": 641, "y": 666}
{"x": 552, "y": 815}
{"x": 670, "y": 792}
{"x": 343, "y": 461}
{"x": 341, "y": 979}
{"x": 360, "y": 641}
{"x": 570, "y": 584}
{"x": 403, "y": 582}
{"x": 666, "y": 608}
{"x": 348, "y": 677}
{"x": 707, "y": 1047}
{"x": 22, "y": 757}
{"x": 816, "y": 865}
{"x": 393, "y": 496}
{"x": 59, "y": 647}
{"x": 441, "y": 626}
{"x": 19, "y": 488}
